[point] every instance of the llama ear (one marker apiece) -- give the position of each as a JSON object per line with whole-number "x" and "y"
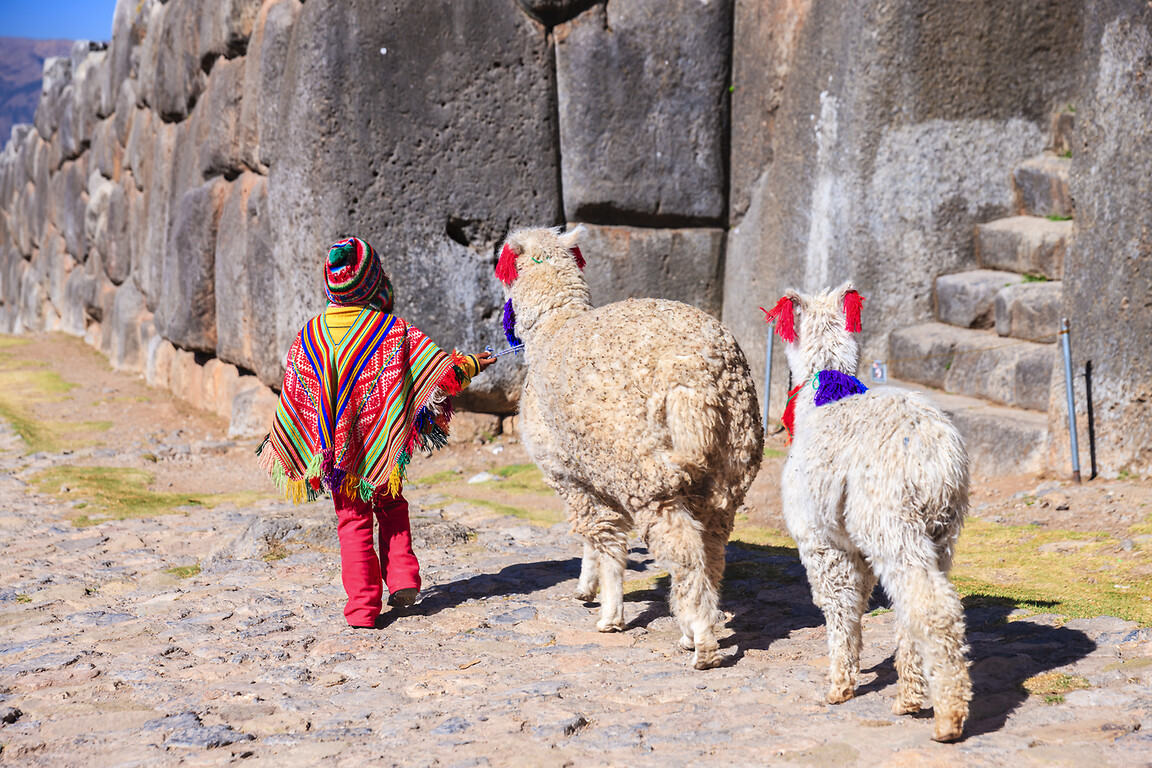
{"x": 506, "y": 267}
{"x": 784, "y": 315}
{"x": 578, "y": 256}
{"x": 853, "y": 303}
{"x": 569, "y": 239}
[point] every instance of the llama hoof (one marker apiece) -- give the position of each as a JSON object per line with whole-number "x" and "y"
{"x": 902, "y": 707}
{"x": 948, "y": 727}
{"x": 686, "y": 643}
{"x": 609, "y": 626}
{"x": 707, "y": 660}
{"x": 838, "y": 694}
{"x": 586, "y": 597}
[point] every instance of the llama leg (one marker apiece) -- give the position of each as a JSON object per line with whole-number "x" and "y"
{"x": 589, "y": 582}
{"x": 838, "y": 580}
{"x": 911, "y": 685}
{"x": 675, "y": 537}
{"x": 612, "y": 550}
{"x": 929, "y": 608}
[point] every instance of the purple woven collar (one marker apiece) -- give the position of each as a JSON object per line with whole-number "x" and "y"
{"x": 834, "y": 385}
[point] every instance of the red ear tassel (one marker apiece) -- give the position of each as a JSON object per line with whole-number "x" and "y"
{"x": 853, "y": 302}
{"x": 785, "y": 321}
{"x": 578, "y": 256}
{"x": 506, "y": 267}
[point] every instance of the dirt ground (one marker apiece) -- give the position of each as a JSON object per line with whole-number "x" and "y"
{"x": 218, "y": 640}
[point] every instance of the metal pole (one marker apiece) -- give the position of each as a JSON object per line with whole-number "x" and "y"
{"x": 1067, "y": 346}
{"x": 1091, "y": 419}
{"x": 767, "y": 377}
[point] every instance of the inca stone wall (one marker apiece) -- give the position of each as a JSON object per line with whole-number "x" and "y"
{"x": 176, "y": 194}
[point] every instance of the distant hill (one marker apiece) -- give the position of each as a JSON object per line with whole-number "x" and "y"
{"x": 21, "y": 69}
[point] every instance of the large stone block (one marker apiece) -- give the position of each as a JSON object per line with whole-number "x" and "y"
{"x": 1024, "y": 244}
{"x": 222, "y": 151}
{"x": 151, "y": 20}
{"x": 894, "y": 131}
{"x": 148, "y": 265}
{"x": 158, "y": 362}
{"x": 129, "y": 21}
{"x": 263, "y": 75}
{"x": 179, "y": 77}
{"x": 106, "y": 226}
{"x": 246, "y": 282}
{"x": 645, "y": 148}
{"x": 186, "y": 313}
{"x": 679, "y": 264}
{"x": 225, "y": 26}
{"x": 186, "y": 378}
{"x": 139, "y": 146}
{"x": 1030, "y": 311}
{"x": 253, "y": 409}
{"x": 1108, "y": 268}
{"x": 967, "y": 298}
{"x": 125, "y": 111}
{"x": 431, "y": 175}
{"x": 53, "y": 101}
{"x": 107, "y": 153}
{"x": 69, "y": 204}
{"x": 1041, "y": 185}
{"x": 973, "y": 363}
{"x": 220, "y": 381}
{"x": 88, "y": 80}
{"x": 127, "y": 329}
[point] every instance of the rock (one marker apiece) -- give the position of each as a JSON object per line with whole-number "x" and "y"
{"x": 125, "y": 111}
{"x": 106, "y": 226}
{"x": 127, "y": 329}
{"x": 645, "y": 149}
{"x": 486, "y": 105}
{"x": 263, "y": 77}
{"x": 88, "y": 80}
{"x": 151, "y": 21}
{"x": 9, "y": 715}
{"x": 69, "y": 203}
{"x": 553, "y": 12}
{"x": 221, "y": 381}
{"x": 53, "y": 101}
{"x": 1025, "y": 244}
{"x": 967, "y": 299}
{"x": 483, "y": 477}
{"x": 225, "y": 27}
{"x": 186, "y": 313}
{"x": 1030, "y": 311}
{"x": 678, "y": 264}
{"x": 221, "y": 152}
{"x": 158, "y": 362}
{"x": 1108, "y": 261}
{"x": 206, "y": 737}
{"x": 186, "y": 379}
{"x": 123, "y": 54}
{"x": 246, "y": 308}
{"x": 253, "y": 409}
{"x": 1041, "y": 185}
{"x": 179, "y": 78}
{"x": 107, "y": 152}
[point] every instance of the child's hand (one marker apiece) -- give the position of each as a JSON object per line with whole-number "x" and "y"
{"x": 485, "y": 359}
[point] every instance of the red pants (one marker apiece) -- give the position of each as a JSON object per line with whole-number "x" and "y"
{"x": 360, "y": 566}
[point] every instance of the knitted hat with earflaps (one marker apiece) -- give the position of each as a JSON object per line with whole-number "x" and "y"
{"x": 354, "y": 276}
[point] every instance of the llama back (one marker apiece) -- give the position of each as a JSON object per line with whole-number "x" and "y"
{"x": 681, "y": 393}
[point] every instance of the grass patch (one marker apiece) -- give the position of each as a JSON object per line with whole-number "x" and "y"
{"x": 524, "y": 477}
{"x": 1056, "y": 216}
{"x": 184, "y": 571}
{"x": 437, "y": 478}
{"x": 276, "y": 552}
{"x": 1032, "y": 277}
{"x": 649, "y": 588}
{"x": 1053, "y": 685}
{"x": 542, "y": 517}
{"x": 120, "y": 493}
{"x": 22, "y": 598}
{"x": 762, "y": 539}
{"x": 774, "y": 453}
{"x": 24, "y": 385}
{"x": 1003, "y": 565}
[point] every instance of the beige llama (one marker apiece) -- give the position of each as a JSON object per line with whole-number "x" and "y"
{"x": 640, "y": 414}
{"x": 875, "y": 486}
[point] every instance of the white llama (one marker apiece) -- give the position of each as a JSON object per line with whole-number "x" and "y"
{"x": 875, "y": 486}
{"x": 640, "y": 414}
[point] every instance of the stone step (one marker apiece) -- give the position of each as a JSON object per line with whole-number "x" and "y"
{"x": 1024, "y": 244}
{"x": 1030, "y": 310}
{"x": 1000, "y": 441}
{"x": 1041, "y": 186}
{"x": 963, "y": 361}
{"x": 967, "y": 299}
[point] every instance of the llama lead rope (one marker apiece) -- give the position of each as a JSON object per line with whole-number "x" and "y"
{"x": 515, "y": 350}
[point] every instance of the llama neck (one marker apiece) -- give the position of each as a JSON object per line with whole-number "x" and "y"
{"x": 542, "y": 312}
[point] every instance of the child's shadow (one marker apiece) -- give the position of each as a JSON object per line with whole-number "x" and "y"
{"x": 515, "y": 579}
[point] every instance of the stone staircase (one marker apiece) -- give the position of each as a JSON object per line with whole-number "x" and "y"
{"x": 987, "y": 360}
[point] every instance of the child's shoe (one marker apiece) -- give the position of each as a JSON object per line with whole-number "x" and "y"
{"x": 403, "y": 598}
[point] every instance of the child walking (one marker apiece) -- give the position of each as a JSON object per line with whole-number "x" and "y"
{"x": 362, "y": 390}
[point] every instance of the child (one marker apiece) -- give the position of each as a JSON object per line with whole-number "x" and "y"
{"x": 362, "y": 390}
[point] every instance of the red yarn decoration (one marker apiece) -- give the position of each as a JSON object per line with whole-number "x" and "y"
{"x": 785, "y": 321}
{"x": 789, "y": 417}
{"x": 853, "y": 303}
{"x": 506, "y": 267}
{"x": 578, "y": 256}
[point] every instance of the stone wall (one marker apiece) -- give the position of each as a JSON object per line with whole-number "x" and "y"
{"x": 179, "y": 188}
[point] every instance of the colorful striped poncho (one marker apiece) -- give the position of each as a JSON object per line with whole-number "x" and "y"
{"x": 355, "y": 405}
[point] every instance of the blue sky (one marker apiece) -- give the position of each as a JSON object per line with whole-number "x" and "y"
{"x": 51, "y": 19}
